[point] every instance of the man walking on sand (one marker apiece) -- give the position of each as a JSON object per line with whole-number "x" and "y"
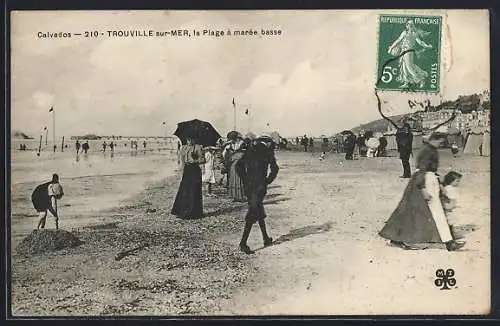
{"x": 45, "y": 197}
{"x": 258, "y": 159}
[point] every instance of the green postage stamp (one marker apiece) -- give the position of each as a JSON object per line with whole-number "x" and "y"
{"x": 409, "y": 49}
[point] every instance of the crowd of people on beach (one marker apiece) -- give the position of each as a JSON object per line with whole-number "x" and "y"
{"x": 366, "y": 144}
{"x": 247, "y": 164}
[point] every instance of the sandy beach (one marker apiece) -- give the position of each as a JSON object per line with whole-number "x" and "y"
{"x": 327, "y": 260}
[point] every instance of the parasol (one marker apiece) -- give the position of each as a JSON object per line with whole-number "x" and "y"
{"x": 372, "y": 143}
{"x": 346, "y": 132}
{"x": 275, "y": 136}
{"x": 201, "y": 131}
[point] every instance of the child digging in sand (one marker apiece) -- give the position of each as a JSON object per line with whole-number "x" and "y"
{"x": 45, "y": 198}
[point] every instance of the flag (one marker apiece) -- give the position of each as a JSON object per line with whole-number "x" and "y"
{"x": 51, "y": 109}
{"x": 246, "y": 111}
{"x": 234, "y": 104}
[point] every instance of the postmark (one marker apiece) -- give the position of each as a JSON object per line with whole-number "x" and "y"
{"x": 415, "y": 43}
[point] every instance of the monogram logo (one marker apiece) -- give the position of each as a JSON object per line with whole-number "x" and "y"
{"x": 445, "y": 279}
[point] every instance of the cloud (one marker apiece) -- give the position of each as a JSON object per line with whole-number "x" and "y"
{"x": 43, "y": 100}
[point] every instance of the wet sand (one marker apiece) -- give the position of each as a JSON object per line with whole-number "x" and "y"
{"x": 328, "y": 258}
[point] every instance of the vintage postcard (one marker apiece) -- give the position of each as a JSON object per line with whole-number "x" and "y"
{"x": 326, "y": 162}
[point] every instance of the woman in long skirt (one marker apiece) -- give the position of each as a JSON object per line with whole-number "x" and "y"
{"x": 234, "y": 152}
{"x": 419, "y": 217}
{"x": 189, "y": 201}
{"x": 236, "y": 188}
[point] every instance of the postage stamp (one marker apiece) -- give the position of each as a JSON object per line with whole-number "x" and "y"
{"x": 409, "y": 53}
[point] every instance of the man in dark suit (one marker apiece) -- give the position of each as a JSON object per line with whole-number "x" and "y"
{"x": 404, "y": 140}
{"x": 349, "y": 145}
{"x": 258, "y": 159}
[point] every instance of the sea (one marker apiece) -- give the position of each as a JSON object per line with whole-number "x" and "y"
{"x": 92, "y": 182}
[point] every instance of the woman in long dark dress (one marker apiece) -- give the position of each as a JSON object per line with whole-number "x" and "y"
{"x": 189, "y": 201}
{"x": 417, "y": 220}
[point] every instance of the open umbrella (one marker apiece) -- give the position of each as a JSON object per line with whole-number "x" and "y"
{"x": 373, "y": 143}
{"x": 346, "y": 132}
{"x": 276, "y": 137}
{"x": 201, "y": 131}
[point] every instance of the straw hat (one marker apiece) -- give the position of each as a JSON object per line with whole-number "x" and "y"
{"x": 250, "y": 136}
{"x": 265, "y": 137}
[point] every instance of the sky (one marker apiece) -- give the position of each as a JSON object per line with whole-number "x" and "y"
{"x": 317, "y": 77}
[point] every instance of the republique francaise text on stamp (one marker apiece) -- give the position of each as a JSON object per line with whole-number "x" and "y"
{"x": 414, "y": 44}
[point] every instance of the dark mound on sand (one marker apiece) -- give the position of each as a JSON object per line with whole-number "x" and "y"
{"x": 47, "y": 240}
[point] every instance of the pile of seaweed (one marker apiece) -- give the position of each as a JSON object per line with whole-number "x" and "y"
{"x": 40, "y": 241}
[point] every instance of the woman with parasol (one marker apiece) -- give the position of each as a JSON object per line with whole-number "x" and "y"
{"x": 234, "y": 153}
{"x": 189, "y": 201}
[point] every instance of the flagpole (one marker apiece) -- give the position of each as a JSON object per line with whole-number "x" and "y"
{"x": 234, "y": 115}
{"x": 249, "y": 119}
{"x": 53, "y": 127}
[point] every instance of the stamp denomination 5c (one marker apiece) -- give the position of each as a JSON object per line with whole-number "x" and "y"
{"x": 416, "y": 43}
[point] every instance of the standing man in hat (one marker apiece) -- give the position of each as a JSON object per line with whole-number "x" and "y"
{"x": 257, "y": 161}
{"x": 404, "y": 140}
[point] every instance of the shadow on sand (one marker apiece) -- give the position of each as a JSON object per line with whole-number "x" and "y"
{"x": 276, "y": 201}
{"x": 460, "y": 231}
{"x": 225, "y": 210}
{"x": 243, "y": 205}
{"x": 301, "y": 232}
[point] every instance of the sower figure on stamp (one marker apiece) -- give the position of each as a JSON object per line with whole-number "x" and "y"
{"x": 410, "y": 72}
{"x": 45, "y": 197}
{"x": 258, "y": 159}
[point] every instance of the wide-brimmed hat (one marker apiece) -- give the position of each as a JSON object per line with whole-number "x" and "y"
{"x": 232, "y": 135}
{"x": 250, "y": 136}
{"x": 265, "y": 137}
